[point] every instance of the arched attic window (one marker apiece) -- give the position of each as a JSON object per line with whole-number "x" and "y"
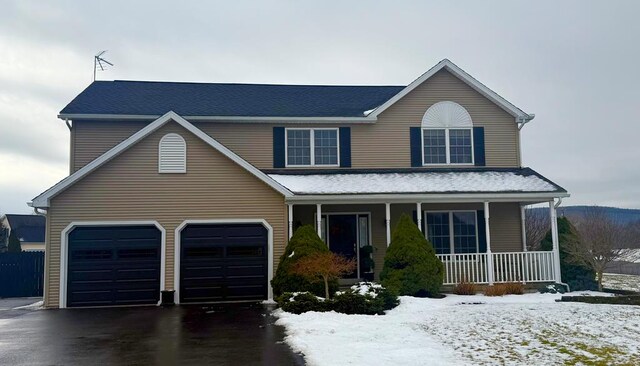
{"x": 447, "y": 135}
{"x": 172, "y": 154}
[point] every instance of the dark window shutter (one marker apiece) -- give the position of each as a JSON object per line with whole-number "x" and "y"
{"x": 482, "y": 234}
{"x": 278, "y": 147}
{"x": 416, "y": 146}
{"x": 478, "y": 146}
{"x": 345, "y": 147}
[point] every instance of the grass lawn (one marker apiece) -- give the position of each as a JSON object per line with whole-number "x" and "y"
{"x": 529, "y": 329}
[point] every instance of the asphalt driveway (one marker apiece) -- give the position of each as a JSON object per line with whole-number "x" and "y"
{"x": 180, "y": 335}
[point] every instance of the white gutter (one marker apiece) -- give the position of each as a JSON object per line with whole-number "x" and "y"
{"x": 523, "y": 120}
{"x": 143, "y": 117}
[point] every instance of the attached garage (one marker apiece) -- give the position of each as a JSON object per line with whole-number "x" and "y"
{"x": 223, "y": 262}
{"x": 113, "y": 265}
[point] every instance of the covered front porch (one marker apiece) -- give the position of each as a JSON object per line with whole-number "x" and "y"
{"x": 479, "y": 234}
{"x": 482, "y": 242}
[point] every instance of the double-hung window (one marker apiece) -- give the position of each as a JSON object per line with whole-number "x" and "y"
{"x": 312, "y": 147}
{"x": 453, "y": 232}
{"x": 447, "y": 135}
{"x": 447, "y": 146}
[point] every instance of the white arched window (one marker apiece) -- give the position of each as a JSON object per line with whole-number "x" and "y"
{"x": 447, "y": 135}
{"x": 172, "y": 154}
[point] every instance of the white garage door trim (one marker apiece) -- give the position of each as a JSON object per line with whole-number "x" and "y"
{"x": 64, "y": 249}
{"x": 176, "y": 264}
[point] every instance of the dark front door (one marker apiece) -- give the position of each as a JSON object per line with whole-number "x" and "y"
{"x": 343, "y": 237}
{"x": 223, "y": 262}
{"x": 114, "y": 265}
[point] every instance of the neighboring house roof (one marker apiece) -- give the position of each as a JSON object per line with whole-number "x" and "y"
{"x": 42, "y": 201}
{"x": 417, "y": 181}
{"x": 28, "y": 228}
{"x": 256, "y": 102}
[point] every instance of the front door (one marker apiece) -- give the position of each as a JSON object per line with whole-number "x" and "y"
{"x": 343, "y": 237}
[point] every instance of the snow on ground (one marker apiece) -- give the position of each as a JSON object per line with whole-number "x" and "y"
{"x": 470, "y": 330}
{"x": 621, "y": 281}
{"x": 35, "y": 306}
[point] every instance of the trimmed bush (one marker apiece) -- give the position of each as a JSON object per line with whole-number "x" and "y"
{"x": 364, "y": 298}
{"x": 513, "y": 288}
{"x": 410, "y": 265}
{"x": 579, "y": 278}
{"x": 304, "y": 242}
{"x": 465, "y": 288}
{"x": 301, "y": 302}
{"x": 495, "y": 290}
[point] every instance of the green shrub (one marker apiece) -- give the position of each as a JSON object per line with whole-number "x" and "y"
{"x": 410, "y": 265}
{"x": 301, "y": 302}
{"x": 304, "y": 242}
{"x": 365, "y": 298}
{"x": 579, "y": 278}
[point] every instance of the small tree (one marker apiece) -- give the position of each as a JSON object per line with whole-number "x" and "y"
{"x": 536, "y": 225}
{"x": 598, "y": 242}
{"x": 14, "y": 243}
{"x": 4, "y": 237}
{"x": 304, "y": 242}
{"x": 410, "y": 264}
{"x": 324, "y": 267}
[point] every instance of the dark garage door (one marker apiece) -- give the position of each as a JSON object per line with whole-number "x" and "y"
{"x": 223, "y": 262}
{"x": 113, "y": 265}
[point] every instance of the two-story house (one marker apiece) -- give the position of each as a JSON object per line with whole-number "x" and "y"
{"x": 189, "y": 191}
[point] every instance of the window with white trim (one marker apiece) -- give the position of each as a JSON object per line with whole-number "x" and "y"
{"x": 312, "y": 147}
{"x": 452, "y": 232}
{"x": 447, "y": 135}
{"x": 172, "y": 154}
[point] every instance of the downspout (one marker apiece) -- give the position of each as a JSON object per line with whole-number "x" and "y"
{"x": 521, "y": 121}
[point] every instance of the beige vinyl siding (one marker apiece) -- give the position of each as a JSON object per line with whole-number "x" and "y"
{"x": 90, "y": 139}
{"x": 504, "y": 222}
{"x": 384, "y": 144}
{"x": 130, "y": 188}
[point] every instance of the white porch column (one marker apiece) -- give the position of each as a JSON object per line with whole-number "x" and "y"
{"x": 488, "y": 235}
{"x": 554, "y": 240}
{"x": 387, "y": 219}
{"x": 290, "y": 220}
{"x": 319, "y": 219}
{"x": 523, "y": 224}
{"x": 419, "y": 214}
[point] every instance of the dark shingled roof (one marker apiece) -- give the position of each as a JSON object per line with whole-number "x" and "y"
{"x": 28, "y": 228}
{"x": 242, "y": 100}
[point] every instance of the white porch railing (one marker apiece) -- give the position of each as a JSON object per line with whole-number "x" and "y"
{"x": 507, "y": 267}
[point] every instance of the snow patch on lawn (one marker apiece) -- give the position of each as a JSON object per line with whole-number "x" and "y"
{"x": 621, "y": 281}
{"x": 35, "y": 306}
{"x": 462, "y": 330}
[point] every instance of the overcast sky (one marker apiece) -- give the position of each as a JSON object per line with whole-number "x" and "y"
{"x": 574, "y": 64}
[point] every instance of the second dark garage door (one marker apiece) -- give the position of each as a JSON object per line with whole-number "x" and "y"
{"x": 223, "y": 262}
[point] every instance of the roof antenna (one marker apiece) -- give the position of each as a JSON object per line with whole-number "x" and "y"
{"x": 99, "y": 62}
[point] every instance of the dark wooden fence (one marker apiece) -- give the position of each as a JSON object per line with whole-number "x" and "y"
{"x": 21, "y": 274}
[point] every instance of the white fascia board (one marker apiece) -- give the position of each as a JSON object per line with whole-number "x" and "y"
{"x": 238, "y": 119}
{"x": 462, "y": 75}
{"x": 426, "y": 198}
{"x": 42, "y": 201}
